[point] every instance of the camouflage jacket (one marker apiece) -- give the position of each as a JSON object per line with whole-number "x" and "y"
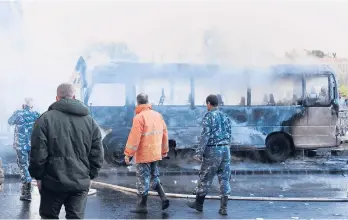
{"x": 24, "y": 121}
{"x": 217, "y": 129}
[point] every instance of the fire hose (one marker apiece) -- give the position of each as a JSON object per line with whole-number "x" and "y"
{"x": 240, "y": 198}
{"x": 245, "y": 198}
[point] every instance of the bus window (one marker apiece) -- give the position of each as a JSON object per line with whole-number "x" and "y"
{"x": 234, "y": 94}
{"x": 317, "y": 91}
{"x": 108, "y": 94}
{"x": 203, "y": 88}
{"x": 166, "y": 92}
{"x": 276, "y": 91}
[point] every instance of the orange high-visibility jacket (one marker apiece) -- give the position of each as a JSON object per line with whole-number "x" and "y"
{"x": 148, "y": 138}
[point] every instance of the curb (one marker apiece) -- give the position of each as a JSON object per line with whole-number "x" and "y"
{"x": 234, "y": 172}
{"x": 175, "y": 195}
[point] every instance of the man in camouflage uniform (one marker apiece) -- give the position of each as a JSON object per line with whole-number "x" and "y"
{"x": 214, "y": 152}
{"x": 24, "y": 120}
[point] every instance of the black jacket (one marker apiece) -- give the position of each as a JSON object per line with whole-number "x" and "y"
{"x": 66, "y": 147}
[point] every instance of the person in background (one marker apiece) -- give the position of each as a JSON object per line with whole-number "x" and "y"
{"x": 147, "y": 143}
{"x": 342, "y": 100}
{"x": 23, "y": 120}
{"x": 214, "y": 152}
{"x": 67, "y": 153}
{"x": 2, "y": 176}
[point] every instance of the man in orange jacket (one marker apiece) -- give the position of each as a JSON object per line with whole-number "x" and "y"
{"x": 147, "y": 143}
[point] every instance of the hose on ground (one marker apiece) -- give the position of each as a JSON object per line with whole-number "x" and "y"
{"x": 245, "y": 198}
{"x": 242, "y": 198}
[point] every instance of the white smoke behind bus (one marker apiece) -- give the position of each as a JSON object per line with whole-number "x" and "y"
{"x": 56, "y": 33}
{"x": 42, "y": 46}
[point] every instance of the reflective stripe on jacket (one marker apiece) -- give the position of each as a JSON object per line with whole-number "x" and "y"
{"x": 148, "y": 138}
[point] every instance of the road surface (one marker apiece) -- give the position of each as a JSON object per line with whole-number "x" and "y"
{"x": 107, "y": 204}
{"x": 291, "y": 185}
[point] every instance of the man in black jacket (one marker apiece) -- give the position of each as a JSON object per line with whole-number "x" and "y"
{"x": 66, "y": 154}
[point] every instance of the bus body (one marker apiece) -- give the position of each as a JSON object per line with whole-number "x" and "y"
{"x": 276, "y": 110}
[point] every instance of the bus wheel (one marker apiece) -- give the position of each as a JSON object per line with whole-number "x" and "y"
{"x": 278, "y": 148}
{"x": 114, "y": 154}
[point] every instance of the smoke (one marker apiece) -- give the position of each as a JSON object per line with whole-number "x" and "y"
{"x": 41, "y": 42}
{"x": 43, "y": 46}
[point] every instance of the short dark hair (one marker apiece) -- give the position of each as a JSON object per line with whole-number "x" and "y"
{"x": 212, "y": 99}
{"x": 142, "y": 98}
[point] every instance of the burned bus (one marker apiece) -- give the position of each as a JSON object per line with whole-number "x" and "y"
{"x": 276, "y": 110}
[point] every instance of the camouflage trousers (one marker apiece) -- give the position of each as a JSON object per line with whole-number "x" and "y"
{"x": 23, "y": 164}
{"x": 147, "y": 176}
{"x": 216, "y": 161}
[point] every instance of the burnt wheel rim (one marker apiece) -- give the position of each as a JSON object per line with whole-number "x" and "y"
{"x": 277, "y": 148}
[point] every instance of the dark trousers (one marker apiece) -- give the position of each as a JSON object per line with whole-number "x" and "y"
{"x": 51, "y": 203}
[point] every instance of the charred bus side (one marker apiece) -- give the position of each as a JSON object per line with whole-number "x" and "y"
{"x": 276, "y": 110}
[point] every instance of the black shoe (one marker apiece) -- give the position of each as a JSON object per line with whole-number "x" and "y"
{"x": 141, "y": 205}
{"x": 161, "y": 193}
{"x": 25, "y": 192}
{"x": 223, "y": 205}
{"x": 197, "y": 204}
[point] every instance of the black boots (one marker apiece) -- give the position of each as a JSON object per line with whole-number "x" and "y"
{"x": 161, "y": 193}
{"x": 141, "y": 204}
{"x": 26, "y": 192}
{"x": 142, "y": 200}
{"x": 197, "y": 204}
{"x": 223, "y": 205}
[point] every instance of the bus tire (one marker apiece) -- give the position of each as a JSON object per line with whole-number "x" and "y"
{"x": 113, "y": 152}
{"x": 278, "y": 148}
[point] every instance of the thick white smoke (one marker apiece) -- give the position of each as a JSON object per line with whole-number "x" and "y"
{"x": 41, "y": 42}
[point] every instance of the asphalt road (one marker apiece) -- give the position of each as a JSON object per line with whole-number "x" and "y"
{"x": 107, "y": 204}
{"x": 292, "y": 185}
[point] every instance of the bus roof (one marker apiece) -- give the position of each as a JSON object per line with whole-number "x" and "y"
{"x": 116, "y": 71}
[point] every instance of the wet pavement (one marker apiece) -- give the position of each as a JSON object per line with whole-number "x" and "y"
{"x": 107, "y": 204}
{"x": 291, "y": 185}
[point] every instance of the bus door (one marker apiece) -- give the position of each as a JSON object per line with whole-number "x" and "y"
{"x": 321, "y": 122}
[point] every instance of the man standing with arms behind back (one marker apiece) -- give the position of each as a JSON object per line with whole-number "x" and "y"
{"x": 67, "y": 153}
{"x": 148, "y": 143}
{"x": 214, "y": 152}
{"x": 24, "y": 120}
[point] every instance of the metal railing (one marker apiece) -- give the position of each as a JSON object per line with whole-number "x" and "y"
{"x": 342, "y": 124}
